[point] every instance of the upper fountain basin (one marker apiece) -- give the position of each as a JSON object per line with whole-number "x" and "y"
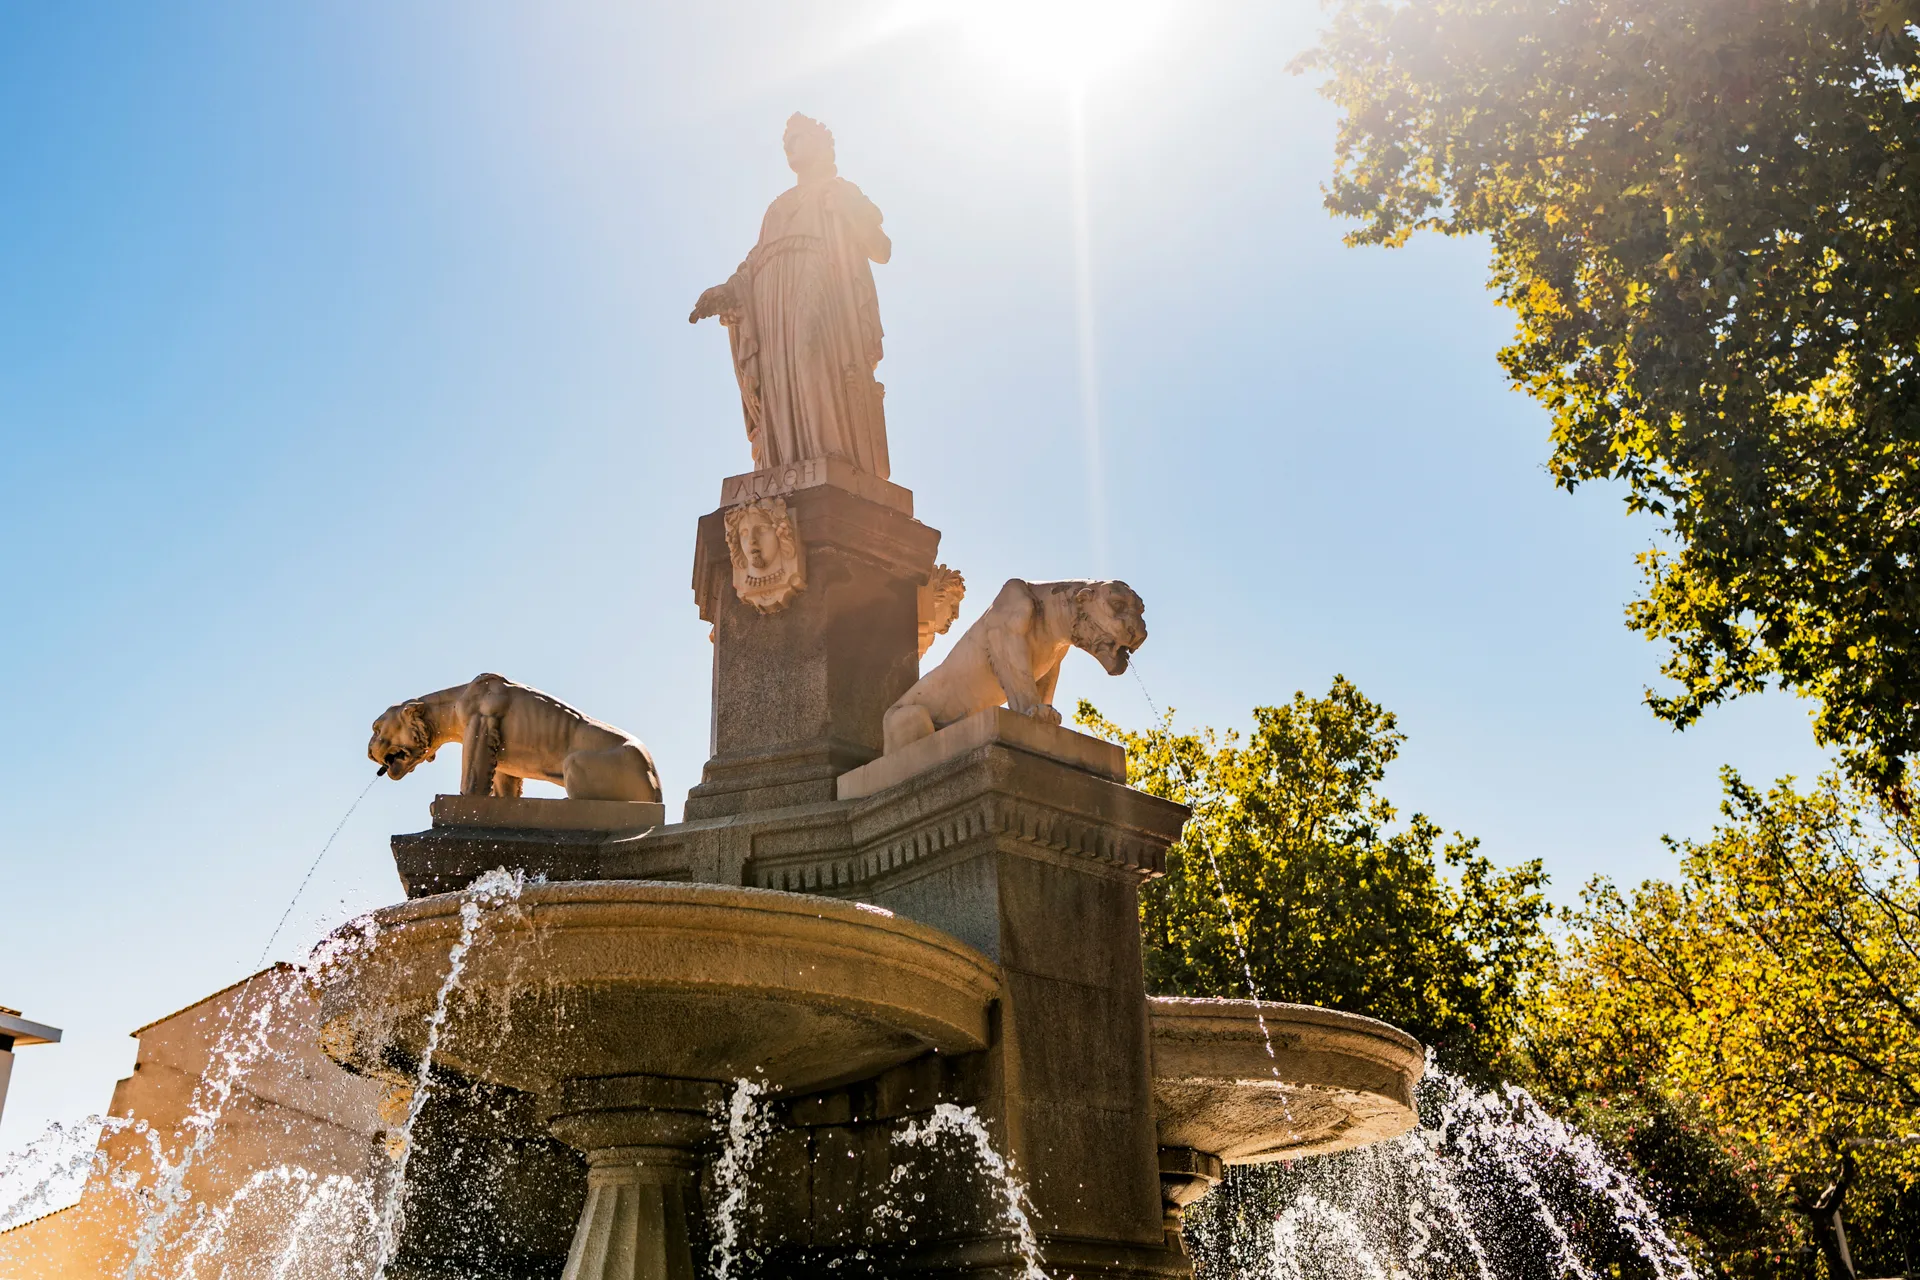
{"x": 624, "y": 977}
{"x": 1308, "y": 1082}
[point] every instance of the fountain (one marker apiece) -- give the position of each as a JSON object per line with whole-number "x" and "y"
{"x": 875, "y": 1006}
{"x": 902, "y": 914}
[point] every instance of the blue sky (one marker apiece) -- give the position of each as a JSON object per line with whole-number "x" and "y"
{"x": 343, "y": 355}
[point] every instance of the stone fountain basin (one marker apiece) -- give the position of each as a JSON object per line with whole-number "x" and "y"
{"x": 1333, "y": 1081}
{"x": 616, "y": 978}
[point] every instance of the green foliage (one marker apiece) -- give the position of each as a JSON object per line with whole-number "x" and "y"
{"x": 1703, "y": 214}
{"x": 1292, "y": 872}
{"x": 1734, "y": 1029}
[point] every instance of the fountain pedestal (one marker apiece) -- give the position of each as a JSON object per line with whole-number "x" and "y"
{"x": 640, "y": 1202}
{"x": 1037, "y": 863}
{"x": 642, "y": 1136}
{"x": 798, "y": 692}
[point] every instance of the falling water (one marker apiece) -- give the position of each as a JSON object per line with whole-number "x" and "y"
{"x": 245, "y": 1037}
{"x": 1246, "y": 961}
{"x": 49, "y": 1172}
{"x": 1493, "y": 1187}
{"x": 1508, "y": 1124}
{"x": 315, "y": 1226}
{"x": 749, "y": 1125}
{"x": 1422, "y": 1149}
{"x": 1497, "y": 1142}
{"x": 491, "y": 890}
{"x": 275, "y": 1187}
{"x": 1291, "y": 1240}
{"x": 303, "y": 1254}
{"x": 1488, "y": 1150}
{"x": 948, "y": 1120}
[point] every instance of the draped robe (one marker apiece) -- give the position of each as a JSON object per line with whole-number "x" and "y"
{"x": 804, "y": 327}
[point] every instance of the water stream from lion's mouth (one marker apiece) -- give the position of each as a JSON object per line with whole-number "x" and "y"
{"x": 1233, "y": 926}
{"x": 312, "y": 867}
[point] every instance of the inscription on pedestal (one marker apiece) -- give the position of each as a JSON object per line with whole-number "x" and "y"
{"x": 810, "y": 473}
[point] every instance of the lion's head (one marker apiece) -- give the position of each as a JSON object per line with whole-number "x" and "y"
{"x": 402, "y": 740}
{"x": 1109, "y": 622}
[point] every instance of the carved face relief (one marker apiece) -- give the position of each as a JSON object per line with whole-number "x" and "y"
{"x": 939, "y": 604}
{"x": 1109, "y": 622}
{"x": 769, "y": 565}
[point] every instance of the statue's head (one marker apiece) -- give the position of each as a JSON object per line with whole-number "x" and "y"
{"x": 1109, "y": 622}
{"x": 939, "y": 603}
{"x": 769, "y": 567}
{"x": 809, "y": 147}
{"x": 402, "y": 739}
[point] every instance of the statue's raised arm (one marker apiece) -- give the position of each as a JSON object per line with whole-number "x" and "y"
{"x": 803, "y": 320}
{"x": 717, "y": 301}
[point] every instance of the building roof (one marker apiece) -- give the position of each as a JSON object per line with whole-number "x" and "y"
{"x": 20, "y": 1031}
{"x": 276, "y": 967}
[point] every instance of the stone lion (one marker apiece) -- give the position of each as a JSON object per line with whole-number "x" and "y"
{"x": 1012, "y": 654}
{"x": 508, "y": 732}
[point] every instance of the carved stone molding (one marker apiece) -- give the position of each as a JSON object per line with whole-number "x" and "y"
{"x": 995, "y": 796}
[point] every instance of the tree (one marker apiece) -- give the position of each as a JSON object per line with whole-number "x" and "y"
{"x": 1291, "y": 880}
{"x": 1739, "y": 1029}
{"x": 1703, "y": 215}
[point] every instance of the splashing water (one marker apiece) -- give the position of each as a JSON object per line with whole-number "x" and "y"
{"x": 964, "y": 1123}
{"x": 1432, "y": 1178}
{"x": 1518, "y": 1132}
{"x": 348, "y": 1202}
{"x": 244, "y": 1038}
{"x": 312, "y": 1226}
{"x": 1495, "y": 1187}
{"x": 1290, "y": 1246}
{"x": 749, "y": 1124}
{"x": 493, "y": 889}
{"x": 290, "y": 1195}
{"x": 1497, "y": 1145}
{"x": 49, "y": 1173}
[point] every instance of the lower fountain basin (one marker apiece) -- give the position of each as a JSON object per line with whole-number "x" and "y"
{"x": 1331, "y": 1082}
{"x": 623, "y": 978}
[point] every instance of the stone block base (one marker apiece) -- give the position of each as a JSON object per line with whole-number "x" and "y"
{"x": 546, "y": 813}
{"x": 996, "y": 724}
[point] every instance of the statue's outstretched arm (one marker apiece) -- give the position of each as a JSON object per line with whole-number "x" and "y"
{"x": 722, "y": 300}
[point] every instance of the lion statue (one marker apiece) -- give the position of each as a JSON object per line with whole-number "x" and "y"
{"x": 1012, "y": 654}
{"x": 508, "y": 732}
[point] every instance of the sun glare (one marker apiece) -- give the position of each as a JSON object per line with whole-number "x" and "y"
{"x": 1069, "y": 40}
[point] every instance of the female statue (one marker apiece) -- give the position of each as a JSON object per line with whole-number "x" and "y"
{"x": 803, "y": 319}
